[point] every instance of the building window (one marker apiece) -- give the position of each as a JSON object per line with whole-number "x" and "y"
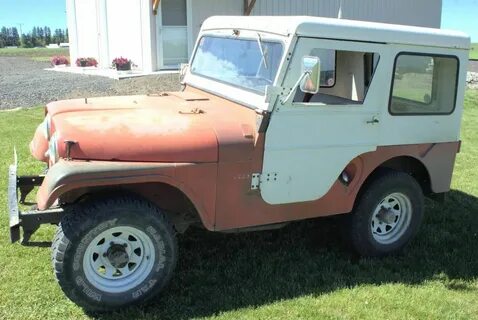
{"x": 424, "y": 84}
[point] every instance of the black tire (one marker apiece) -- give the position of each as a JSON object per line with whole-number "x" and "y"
{"x": 359, "y": 225}
{"x": 77, "y": 232}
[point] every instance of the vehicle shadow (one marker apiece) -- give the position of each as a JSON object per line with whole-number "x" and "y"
{"x": 221, "y": 272}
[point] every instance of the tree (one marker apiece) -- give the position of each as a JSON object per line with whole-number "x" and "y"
{"x": 47, "y": 35}
{"x": 3, "y": 37}
{"x": 41, "y": 36}
{"x": 38, "y": 36}
{"x": 27, "y": 41}
{"x": 16, "y": 37}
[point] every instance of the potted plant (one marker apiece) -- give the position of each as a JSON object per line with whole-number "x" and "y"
{"x": 122, "y": 64}
{"x": 59, "y": 60}
{"x": 86, "y": 62}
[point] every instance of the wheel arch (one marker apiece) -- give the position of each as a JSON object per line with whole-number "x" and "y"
{"x": 413, "y": 166}
{"x": 174, "y": 200}
{"x": 403, "y": 163}
{"x": 70, "y": 181}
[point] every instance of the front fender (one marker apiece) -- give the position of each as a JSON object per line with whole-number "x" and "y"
{"x": 66, "y": 176}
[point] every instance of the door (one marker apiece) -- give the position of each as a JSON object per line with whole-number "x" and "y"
{"x": 311, "y": 139}
{"x": 172, "y": 34}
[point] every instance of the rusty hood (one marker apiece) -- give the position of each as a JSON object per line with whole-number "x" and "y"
{"x": 186, "y": 126}
{"x": 136, "y": 128}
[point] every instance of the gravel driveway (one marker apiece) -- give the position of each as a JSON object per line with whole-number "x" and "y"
{"x": 473, "y": 66}
{"x": 24, "y": 83}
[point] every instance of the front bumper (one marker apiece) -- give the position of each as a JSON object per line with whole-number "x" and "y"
{"x": 29, "y": 221}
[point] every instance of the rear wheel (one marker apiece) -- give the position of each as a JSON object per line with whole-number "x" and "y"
{"x": 114, "y": 253}
{"x": 387, "y": 215}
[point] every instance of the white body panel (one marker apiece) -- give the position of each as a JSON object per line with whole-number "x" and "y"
{"x": 308, "y": 145}
{"x": 344, "y": 29}
{"x": 413, "y": 129}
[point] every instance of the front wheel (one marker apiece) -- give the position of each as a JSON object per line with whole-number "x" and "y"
{"x": 387, "y": 215}
{"x": 114, "y": 253}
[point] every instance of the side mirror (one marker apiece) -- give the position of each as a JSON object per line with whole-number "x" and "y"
{"x": 183, "y": 70}
{"x": 311, "y": 75}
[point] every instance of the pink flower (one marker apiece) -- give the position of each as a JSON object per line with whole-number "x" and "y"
{"x": 57, "y": 60}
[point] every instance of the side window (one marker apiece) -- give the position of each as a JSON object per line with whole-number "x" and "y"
{"x": 424, "y": 84}
{"x": 345, "y": 77}
{"x": 327, "y": 66}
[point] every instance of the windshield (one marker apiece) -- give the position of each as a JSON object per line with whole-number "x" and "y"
{"x": 248, "y": 63}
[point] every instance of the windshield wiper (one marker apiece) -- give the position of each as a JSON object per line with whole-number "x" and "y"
{"x": 259, "y": 42}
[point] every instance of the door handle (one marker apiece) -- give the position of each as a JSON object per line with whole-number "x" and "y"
{"x": 373, "y": 121}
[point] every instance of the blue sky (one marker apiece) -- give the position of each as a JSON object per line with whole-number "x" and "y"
{"x": 32, "y": 13}
{"x": 460, "y": 15}
{"x": 456, "y": 14}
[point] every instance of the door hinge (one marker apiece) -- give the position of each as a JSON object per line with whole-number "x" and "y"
{"x": 258, "y": 179}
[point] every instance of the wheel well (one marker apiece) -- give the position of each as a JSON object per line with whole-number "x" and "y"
{"x": 407, "y": 164}
{"x": 173, "y": 201}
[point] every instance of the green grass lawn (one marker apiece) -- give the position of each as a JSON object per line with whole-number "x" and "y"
{"x": 474, "y": 51}
{"x": 300, "y": 272}
{"x": 37, "y": 54}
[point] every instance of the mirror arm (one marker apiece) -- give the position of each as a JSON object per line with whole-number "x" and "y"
{"x": 294, "y": 89}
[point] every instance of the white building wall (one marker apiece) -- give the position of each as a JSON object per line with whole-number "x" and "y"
{"x": 124, "y": 30}
{"x": 426, "y": 13}
{"x": 323, "y": 8}
{"x": 198, "y": 11}
{"x": 87, "y": 35}
{"x": 105, "y": 29}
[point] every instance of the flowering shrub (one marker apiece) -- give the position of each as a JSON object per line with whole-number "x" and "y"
{"x": 57, "y": 60}
{"x": 86, "y": 62}
{"x": 122, "y": 63}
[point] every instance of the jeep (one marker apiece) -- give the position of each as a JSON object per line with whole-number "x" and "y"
{"x": 279, "y": 119}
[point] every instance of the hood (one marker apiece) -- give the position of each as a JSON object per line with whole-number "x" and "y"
{"x": 136, "y": 128}
{"x": 170, "y": 127}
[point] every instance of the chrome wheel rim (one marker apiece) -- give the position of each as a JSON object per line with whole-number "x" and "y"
{"x": 391, "y": 218}
{"x": 119, "y": 259}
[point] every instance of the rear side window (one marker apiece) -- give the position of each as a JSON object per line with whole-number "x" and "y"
{"x": 424, "y": 84}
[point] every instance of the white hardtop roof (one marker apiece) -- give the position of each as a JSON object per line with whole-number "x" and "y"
{"x": 343, "y": 29}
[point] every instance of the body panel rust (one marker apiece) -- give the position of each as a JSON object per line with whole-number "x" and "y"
{"x": 217, "y": 176}
{"x": 196, "y": 181}
{"x": 238, "y": 206}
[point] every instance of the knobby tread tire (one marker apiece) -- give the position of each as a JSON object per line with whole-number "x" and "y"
{"x": 81, "y": 219}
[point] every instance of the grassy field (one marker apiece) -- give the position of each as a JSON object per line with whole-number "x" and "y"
{"x": 37, "y": 54}
{"x": 300, "y": 272}
{"x": 474, "y": 51}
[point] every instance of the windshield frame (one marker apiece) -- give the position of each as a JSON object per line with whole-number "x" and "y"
{"x": 250, "y": 98}
{"x": 233, "y": 37}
